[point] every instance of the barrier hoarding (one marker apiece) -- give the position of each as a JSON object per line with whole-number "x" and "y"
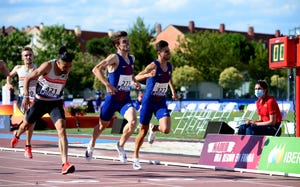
{"x": 281, "y": 154}
{"x": 232, "y": 151}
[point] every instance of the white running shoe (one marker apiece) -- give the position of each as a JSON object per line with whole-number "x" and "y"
{"x": 122, "y": 154}
{"x": 151, "y": 136}
{"x": 89, "y": 153}
{"x": 136, "y": 164}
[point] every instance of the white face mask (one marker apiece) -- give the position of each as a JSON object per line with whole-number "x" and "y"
{"x": 259, "y": 93}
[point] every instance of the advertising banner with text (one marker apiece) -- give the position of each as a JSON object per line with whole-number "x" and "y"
{"x": 281, "y": 154}
{"x": 232, "y": 151}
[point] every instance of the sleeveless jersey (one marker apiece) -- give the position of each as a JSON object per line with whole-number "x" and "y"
{"x": 22, "y": 74}
{"x": 157, "y": 86}
{"x": 121, "y": 78}
{"x": 50, "y": 86}
{"x": 268, "y": 106}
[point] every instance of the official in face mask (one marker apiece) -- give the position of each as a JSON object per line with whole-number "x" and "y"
{"x": 269, "y": 116}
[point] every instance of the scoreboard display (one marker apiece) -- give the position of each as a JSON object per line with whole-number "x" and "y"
{"x": 282, "y": 53}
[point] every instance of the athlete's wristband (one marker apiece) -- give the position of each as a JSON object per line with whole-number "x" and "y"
{"x": 25, "y": 96}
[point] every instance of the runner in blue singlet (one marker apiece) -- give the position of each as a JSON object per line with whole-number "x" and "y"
{"x": 118, "y": 86}
{"x": 159, "y": 76}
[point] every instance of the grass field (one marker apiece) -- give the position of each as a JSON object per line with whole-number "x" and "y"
{"x": 187, "y": 135}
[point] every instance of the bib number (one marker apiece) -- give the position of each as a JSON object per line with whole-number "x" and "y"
{"x": 160, "y": 89}
{"x": 51, "y": 90}
{"x": 124, "y": 82}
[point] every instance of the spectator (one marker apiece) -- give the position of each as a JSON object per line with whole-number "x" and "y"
{"x": 268, "y": 111}
{"x": 90, "y": 106}
{"x": 98, "y": 100}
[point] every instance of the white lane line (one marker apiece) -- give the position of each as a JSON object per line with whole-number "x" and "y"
{"x": 165, "y": 163}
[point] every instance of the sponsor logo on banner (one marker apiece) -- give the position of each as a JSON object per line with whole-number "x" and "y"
{"x": 232, "y": 151}
{"x": 278, "y": 155}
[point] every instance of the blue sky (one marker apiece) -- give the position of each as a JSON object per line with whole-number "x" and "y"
{"x": 265, "y": 16}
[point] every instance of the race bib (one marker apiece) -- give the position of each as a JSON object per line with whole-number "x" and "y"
{"x": 31, "y": 90}
{"x": 160, "y": 89}
{"x": 124, "y": 83}
{"x": 51, "y": 90}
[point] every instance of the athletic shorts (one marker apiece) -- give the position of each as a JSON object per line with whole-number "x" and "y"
{"x": 109, "y": 108}
{"x": 19, "y": 103}
{"x": 41, "y": 107}
{"x": 159, "y": 109}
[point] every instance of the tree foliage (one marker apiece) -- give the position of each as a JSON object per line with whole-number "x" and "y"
{"x": 210, "y": 52}
{"x": 11, "y": 47}
{"x": 52, "y": 38}
{"x": 12, "y": 44}
{"x": 140, "y": 38}
{"x": 81, "y": 76}
{"x": 279, "y": 84}
{"x": 231, "y": 78}
{"x": 201, "y": 56}
{"x": 98, "y": 85}
{"x": 100, "y": 47}
{"x": 185, "y": 76}
{"x": 258, "y": 67}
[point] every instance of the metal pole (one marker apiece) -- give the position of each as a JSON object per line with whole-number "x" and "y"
{"x": 288, "y": 84}
{"x": 297, "y": 109}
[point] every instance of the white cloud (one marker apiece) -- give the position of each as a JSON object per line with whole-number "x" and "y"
{"x": 18, "y": 17}
{"x": 14, "y": 1}
{"x": 32, "y": 1}
{"x": 237, "y": 2}
{"x": 102, "y": 15}
{"x": 169, "y": 5}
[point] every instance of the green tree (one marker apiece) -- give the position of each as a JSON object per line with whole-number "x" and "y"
{"x": 230, "y": 79}
{"x": 140, "y": 39}
{"x": 98, "y": 85}
{"x": 279, "y": 84}
{"x": 51, "y": 38}
{"x": 81, "y": 76}
{"x": 11, "y": 46}
{"x": 181, "y": 76}
{"x": 210, "y": 52}
{"x": 100, "y": 47}
{"x": 258, "y": 67}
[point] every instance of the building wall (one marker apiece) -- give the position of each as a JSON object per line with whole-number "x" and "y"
{"x": 210, "y": 90}
{"x": 171, "y": 35}
{"x": 205, "y": 90}
{"x": 35, "y": 36}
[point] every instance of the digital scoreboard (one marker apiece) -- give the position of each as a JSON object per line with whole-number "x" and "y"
{"x": 282, "y": 53}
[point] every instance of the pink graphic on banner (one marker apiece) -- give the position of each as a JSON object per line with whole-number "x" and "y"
{"x": 232, "y": 151}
